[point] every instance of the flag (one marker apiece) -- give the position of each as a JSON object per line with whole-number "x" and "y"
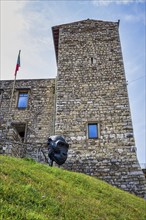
{"x": 18, "y": 63}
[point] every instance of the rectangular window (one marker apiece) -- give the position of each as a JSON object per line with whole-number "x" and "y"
{"x": 22, "y": 100}
{"x": 92, "y": 130}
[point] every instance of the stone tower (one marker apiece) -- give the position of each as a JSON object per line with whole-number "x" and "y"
{"x": 92, "y": 107}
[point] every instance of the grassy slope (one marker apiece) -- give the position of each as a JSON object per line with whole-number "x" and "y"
{"x": 34, "y": 191}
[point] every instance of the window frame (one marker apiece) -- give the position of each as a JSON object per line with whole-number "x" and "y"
{"x": 21, "y": 91}
{"x": 97, "y": 130}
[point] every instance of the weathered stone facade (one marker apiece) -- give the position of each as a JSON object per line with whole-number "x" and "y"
{"x": 37, "y": 118}
{"x": 90, "y": 88}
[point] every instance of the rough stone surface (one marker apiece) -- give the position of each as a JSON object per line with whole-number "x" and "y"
{"x": 38, "y": 117}
{"x": 90, "y": 87}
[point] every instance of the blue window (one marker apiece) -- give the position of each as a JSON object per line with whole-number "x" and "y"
{"x": 22, "y": 100}
{"x": 93, "y": 130}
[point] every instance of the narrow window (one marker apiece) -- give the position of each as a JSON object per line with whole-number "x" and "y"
{"x": 93, "y": 60}
{"x": 92, "y": 130}
{"x": 22, "y": 100}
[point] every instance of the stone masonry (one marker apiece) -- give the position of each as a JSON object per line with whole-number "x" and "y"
{"x": 38, "y": 117}
{"x": 90, "y": 88}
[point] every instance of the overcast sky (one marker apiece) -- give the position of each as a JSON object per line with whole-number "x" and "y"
{"x": 26, "y": 25}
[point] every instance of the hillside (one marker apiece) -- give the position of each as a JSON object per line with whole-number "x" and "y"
{"x": 30, "y": 190}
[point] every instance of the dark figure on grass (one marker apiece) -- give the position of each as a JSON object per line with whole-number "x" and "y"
{"x": 57, "y": 150}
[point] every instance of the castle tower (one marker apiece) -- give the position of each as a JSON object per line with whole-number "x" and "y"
{"x": 92, "y": 107}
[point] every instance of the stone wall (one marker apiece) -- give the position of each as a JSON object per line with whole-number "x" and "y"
{"x": 38, "y": 117}
{"x": 91, "y": 87}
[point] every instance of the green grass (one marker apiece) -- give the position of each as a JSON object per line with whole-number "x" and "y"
{"x": 31, "y": 191}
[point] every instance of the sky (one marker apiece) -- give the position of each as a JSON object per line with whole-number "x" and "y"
{"x": 26, "y": 25}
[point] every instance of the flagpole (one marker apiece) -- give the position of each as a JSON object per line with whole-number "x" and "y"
{"x": 12, "y": 94}
{"x": 17, "y": 68}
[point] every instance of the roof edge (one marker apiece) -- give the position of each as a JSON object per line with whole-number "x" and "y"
{"x": 61, "y": 25}
{"x": 55, "y": 31}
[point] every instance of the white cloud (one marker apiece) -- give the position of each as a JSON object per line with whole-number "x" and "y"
{"x": 12, "y": 24}
{"x": 135, "y": 18}
{"x": 29, "y": 31}
{"x": 108, "y": 2}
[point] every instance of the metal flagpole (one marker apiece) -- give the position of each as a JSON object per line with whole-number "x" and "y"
{"x": 12, "y": 94}
{"x": 9, "y": 117}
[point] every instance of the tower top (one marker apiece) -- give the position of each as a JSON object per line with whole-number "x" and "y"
{"x": 95, "y": 23}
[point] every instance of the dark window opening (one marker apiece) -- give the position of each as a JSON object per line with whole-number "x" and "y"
{"x": 92, "y": 130}
{"x": 1, "y": 92}
{"x": 91, "y": 60}
{"x": 21, "y": 129}
{"x": 22, "y": 100}
{"x": 22, "y": 135}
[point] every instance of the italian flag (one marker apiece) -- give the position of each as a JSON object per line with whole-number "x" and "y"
{"x": 18, "y": 63}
